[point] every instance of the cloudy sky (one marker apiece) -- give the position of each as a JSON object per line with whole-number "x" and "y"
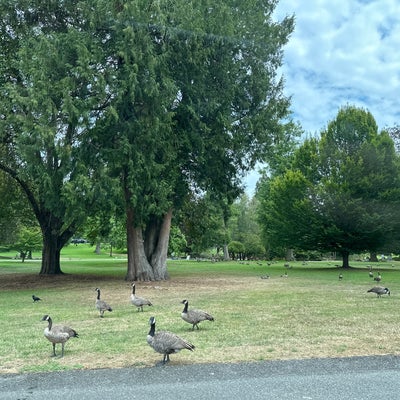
{"x": 341, "y": 52}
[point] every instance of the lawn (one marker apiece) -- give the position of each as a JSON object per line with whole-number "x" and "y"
{"x": 309, "y": 313}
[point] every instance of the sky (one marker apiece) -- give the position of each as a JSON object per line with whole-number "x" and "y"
{"x": 342, "y": 52}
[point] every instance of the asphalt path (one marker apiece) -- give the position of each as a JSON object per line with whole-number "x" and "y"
{"x": 359, "y": 378}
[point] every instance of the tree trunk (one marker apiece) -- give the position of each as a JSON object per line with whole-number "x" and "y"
{"x": 373, "y": 257}
{"x": 289, "y": 255}
{"x": 138, "y": 266}
{"x": 147, "y": 254}
{"x": 160, "y": 253}
{"x": 50, "y": 254}
{"x": 226, "y": 253}
{"x": 345, "y": 256}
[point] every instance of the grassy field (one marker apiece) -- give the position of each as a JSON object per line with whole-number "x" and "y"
{"x": 309, "y": 313}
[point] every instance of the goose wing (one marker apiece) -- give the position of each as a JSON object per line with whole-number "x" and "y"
{"x": 167, "y": 342}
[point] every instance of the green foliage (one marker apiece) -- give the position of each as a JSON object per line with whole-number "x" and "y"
{"x": 28, "y": 241}
{"x": 243, "y": 227}
{"x": 236, "y": 250}
{"x": 338, "y": 194}
{"x": 138, "y": 101}
{"x": 177, "y": 242}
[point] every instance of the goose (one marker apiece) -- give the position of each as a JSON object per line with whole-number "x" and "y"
{"x": 371, "y": 274}
{"x": 58, "y": 334}
{"x": 101, "y": 305}
{"x": 378, "y": 278}
{"x": 379, "y": 290}
{"x": 193, "y": 316}
{"x": 35, "y": 298}
{"x": 340, "y": 277}
{"x": 139, "y": 302}
{"x": 165, "y": 342}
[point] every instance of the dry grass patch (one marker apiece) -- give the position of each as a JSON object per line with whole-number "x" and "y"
{"x": 255, "y": 319}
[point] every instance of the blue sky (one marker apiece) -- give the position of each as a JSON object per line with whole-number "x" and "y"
{"x": 341, "y": 52}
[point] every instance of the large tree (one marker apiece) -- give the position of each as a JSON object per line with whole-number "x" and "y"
{"x": 341, "y": 192}
{"x": 196, "y": 102}
{"x": 165, "y": 97}
{"x": 52, "y": 92}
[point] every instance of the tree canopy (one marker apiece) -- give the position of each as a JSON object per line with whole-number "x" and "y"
{"x": 136, "y": 100}
{"x": 341, "y": 192}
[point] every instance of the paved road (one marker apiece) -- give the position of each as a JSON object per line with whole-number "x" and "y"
{"x": 359, "y": 378}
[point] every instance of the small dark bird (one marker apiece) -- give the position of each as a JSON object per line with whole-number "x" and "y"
{"x": 379, "y": 290}
{"x": 58, "y": 334}
{"x": 194, "y": 316}
{"x": 101, "y": 305}
{"x": 340, "y": 277}
{"x": 371, "y": 274}
{"x": 139, "y": 302}
{"x": 35, "y": 298}
{"x": 166, "y": 343}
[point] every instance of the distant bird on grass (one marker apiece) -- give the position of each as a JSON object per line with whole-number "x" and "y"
{"x": 194, "y": 316}
{"x": 379, "y": 290}
{"x": 165, "y": 342}
{"x": 139, "y": 302}
{"x": 340, "y": 277}
{"x": 101, "y": 305}
{"x": 371, "y": 274}
{"x": 378, "y": 278}
{"x": 58, "y": 334}
{"x": 35, "y": 298}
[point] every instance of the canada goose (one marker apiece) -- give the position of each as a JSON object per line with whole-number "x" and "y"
{"x": 371, "y": 274}
{"x": 139, "y": 302}
{"x": 340, "y": 277}
{"x": 35, "y": 298}
{"x": 193, "y": 316}
{"x": 379, "y": 290}
{"x": 378, "y": 278}
{"x": 58, "y": 334}
{"x": 166, "y": 343}
{"x": 101, "y": 305}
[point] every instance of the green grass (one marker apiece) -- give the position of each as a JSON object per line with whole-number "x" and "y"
{"x": 309, "y": 314}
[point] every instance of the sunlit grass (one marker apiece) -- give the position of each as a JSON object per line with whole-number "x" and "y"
{"x": 308, "y": 314}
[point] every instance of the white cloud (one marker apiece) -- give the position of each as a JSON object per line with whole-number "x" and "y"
{"x": 342, "y": 52}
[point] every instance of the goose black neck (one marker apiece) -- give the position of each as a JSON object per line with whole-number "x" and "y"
{"x": 133, "y": 289}
{"x": 98, "y": 294}
{"x": 152, "y": 329}
{"x": 186, "y": 307}
{"x": 50, "y": 321}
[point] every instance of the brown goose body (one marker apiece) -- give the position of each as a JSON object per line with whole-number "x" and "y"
{"x": 137, "y": 301}
{"x": 193, "y": 316}
{"x": 165, "y": 342}
{"x": 101, "y": 305}
{"x": 58, "y": 334}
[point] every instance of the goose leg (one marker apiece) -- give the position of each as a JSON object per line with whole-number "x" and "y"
{"x": 54, "y": 350}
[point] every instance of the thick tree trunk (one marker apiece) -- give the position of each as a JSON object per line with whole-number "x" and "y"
{"x": 50, "y": 254}
{"x": 138, "y": 266}
{"x": 147, "y": 255}
{"x": 160, "y": 253}
{"x": 345, "y": 256}
{"x": 289, "y": 255}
